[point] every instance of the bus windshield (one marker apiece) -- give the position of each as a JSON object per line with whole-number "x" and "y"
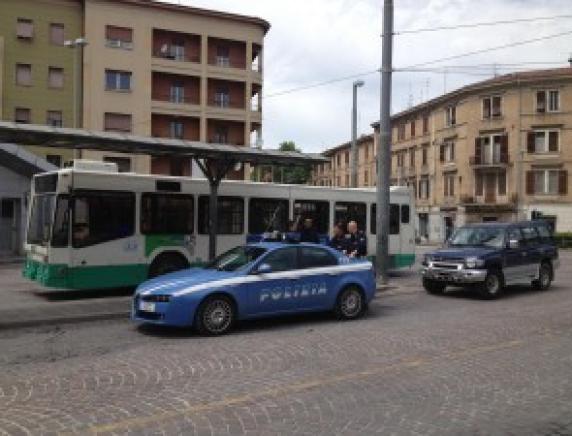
{"x": 41, "y": 217}
{"x": 236, "y": 258}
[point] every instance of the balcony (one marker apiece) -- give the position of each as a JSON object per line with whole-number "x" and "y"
{"x": 175, "y": 94}
{"x": 176, "y": 51}
{"x": 487, "y": 161}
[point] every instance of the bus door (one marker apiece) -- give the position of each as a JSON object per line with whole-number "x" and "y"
{"x": 406, "y": 231}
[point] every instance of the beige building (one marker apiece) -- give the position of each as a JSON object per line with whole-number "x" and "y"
{"x": 493, "y": 150}
{"x": 165, "y": 70}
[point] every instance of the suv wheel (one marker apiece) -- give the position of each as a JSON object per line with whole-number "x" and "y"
{"x": 492, "y": 287}
{"x": 544, "y": 277}
{"x": 433, "y": 287}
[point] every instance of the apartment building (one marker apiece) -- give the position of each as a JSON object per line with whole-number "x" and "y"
{"x": 493, "y": 150}
{"x": 36, "y": 69}
{"x": 171, "y": 71}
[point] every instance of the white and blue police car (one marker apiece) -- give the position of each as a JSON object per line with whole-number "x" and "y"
{"x": 257, "y": 280}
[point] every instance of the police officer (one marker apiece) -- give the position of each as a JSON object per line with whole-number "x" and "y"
{"x": 309, "y": 233}
{"x": 338, "y": 240}
{"x": 356, "y": 241}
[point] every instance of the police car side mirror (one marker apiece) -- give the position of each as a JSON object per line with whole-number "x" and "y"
{"x": 263, "y": 268}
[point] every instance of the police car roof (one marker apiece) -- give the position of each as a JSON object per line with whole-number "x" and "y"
{"x": 274, "y": 245}
{"x": 505, "y": 224}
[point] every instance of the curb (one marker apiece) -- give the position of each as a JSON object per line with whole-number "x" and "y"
{"x": 74, "y": 319}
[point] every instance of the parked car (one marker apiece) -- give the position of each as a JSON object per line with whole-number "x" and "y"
{"x": 257, "y": 280}
{"x": 488, "y": 257}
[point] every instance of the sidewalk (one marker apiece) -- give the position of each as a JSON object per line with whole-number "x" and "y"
{"x": 24, "y": 303}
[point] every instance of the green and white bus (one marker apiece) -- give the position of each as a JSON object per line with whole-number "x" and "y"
{"x": 91, "y": 227}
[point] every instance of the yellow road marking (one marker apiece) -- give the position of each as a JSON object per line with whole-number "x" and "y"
{"x": 145, "y": 421}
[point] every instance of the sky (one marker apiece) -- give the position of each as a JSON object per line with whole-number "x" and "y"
{"x": 313, "y": 41}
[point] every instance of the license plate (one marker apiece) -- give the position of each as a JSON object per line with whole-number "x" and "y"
{"x": 146, "y": 306}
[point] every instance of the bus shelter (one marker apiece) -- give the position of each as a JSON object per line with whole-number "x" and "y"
{"x": 215, "y": 160}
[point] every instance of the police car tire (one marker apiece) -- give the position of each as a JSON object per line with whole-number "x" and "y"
{"x": 545, "y": 277}
{"x": 167, "y": 263}
{"x": 433, "y": 287}
{"x": 208, "y": 327}
{"x": 493, "y": 285}
{"x": 354, "y": 297}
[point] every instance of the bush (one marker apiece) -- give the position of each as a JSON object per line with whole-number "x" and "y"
{"x": 563, "y": 240}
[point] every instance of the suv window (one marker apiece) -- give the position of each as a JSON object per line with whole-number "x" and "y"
{"x": 530, "y": 235}
{"x": 313, "y": 257}
{"x": 283, "y": 259}
{"x": 544, "y": 232}
{"x": 514, "y": 234}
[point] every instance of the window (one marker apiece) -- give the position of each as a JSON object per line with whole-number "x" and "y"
{"x": 405, "y": 214}
{"x": 366, "y": 178}
{"x": 54, "y": 159}
{"x": 543, "y": 141}
{"x": 22, "y": 115}
{"x": 267, "y": 215}
{"x": 54, "y": 118}
{"x": 57, "y": 36}
{"x": 119, "y": 37}
{"x": 412, "y": 158}
{"x": 117, "y": 80}
{"x": 530, "y": 235}
{"x": 400, "y": 160}
{"x": 60, "y": 232}
{"x": 424, "y": 191}
{"x": 491, "y": 149}
{"x": 222, "y": 97}
{"x": 318, "y": 211}
{"x": 283, "y": 259}
{"x": 24, "y": 28}
{"x": 177, "y": 92}
{"x": 349, "y": 211}
{"x": 514, "y": 234}
{"x": 492, "y": 107}
{"x": 413, "y": 128}
{"x": 501, "y": 180}
{"x": 347, "y": 180}
{"x": 7, "y": 208}
{"x": 425, "y": 124}
{"x": 347, "y": 157}
{"x": 547, "y": 182}
{"x": 544, "y": 233}
{"x": 167, "y": 214}
{"x": 424, "y": 155}
{"x": 220, "y": 135}
{"x": 24, "y": 74}
{"x": 223, "y": 56}
{"x": 101, "y": 216}
{"x": 393, "y": 219}
{"x": 450, "y": 116}
{"x": 447, "y": 152}
{"x": 314, "y": 257}
{"x": 449, "y": 185}
{"x": 55, "y": 77}
{"x": 401, "y": 132}
{"x": 230, "y": 215}
{"x": 176, "y": 50}
{"x": 123, "y": 163}
{"x": 176, "y": 129}
{"x": 547, "y": 101}
{"x": 114, "y": 122}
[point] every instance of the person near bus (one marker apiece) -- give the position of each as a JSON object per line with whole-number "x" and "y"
{"x": 356, "y": 241}
{"x": 338, "y": 240}
{"x": 309, "y": 233}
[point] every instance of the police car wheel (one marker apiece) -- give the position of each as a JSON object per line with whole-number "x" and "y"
{"x": 350, "y": 304}
{"x": 215, "y": 316}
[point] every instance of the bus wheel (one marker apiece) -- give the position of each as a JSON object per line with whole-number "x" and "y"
{"x": 166, "y": 263}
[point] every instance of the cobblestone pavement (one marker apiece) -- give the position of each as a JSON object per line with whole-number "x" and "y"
{"x": 417, "y": 364}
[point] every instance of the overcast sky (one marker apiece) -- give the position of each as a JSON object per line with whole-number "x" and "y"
{"x": 312, "y": 41}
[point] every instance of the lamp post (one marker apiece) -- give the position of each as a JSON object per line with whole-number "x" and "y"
{"x": 354, "y": 168}
{"x": 77, "y": 44}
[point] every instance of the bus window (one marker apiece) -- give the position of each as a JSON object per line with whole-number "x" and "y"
{"x": 405, "y": 214}
{"x": 318, "y": 211}
{"x": 230, "y": 215}
{"x": 167, "y": 214}
{"x": 349, "y": 211}
{"x": 41, "y": 219}
{"x": 267, "y": 215}
{"x": 60, "y": 232}
{"x": 102, "y": 216}
{"x": 393, "y": 219}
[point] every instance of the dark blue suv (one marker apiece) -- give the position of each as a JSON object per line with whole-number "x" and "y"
{"x": 488, "y": 257}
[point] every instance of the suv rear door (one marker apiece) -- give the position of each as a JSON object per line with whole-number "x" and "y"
{"x": 514, "y": 262}
{"x": 531, "y": 262}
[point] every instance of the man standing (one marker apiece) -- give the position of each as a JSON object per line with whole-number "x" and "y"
{"x": 309, "y": 233}
{"x": 338, "y": 240}
{"x": 356, "y": 241}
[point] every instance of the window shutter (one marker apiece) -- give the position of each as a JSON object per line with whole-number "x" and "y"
{"x": 496, "y": 106}
{"x": 442, "y": 152}
{"x": 504, "y": 148}
{"x": 530, "y": 182}
{"x": 531, "y": 142}
{"x": 115, "y": 33}
{"x": 541, "y": 101}
{"x": 563, "y": 182}
{"x": 479, "y": 185}
{"x": 553, "y": 141}
{"x": 478, "y": 150}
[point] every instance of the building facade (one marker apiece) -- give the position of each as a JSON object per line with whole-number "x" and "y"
{"x": 493, "y": 150}
{"x": 164, "y": 70}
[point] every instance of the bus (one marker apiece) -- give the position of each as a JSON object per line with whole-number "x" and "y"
{"x": 92, "y": 227}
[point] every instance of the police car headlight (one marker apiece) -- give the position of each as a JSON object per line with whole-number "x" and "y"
{"x": 474, "y": 262}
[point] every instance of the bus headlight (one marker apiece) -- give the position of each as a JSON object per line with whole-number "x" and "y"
{"x": 474, "y": 262}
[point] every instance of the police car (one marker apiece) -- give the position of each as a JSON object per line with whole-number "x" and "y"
{"x": 257, "y": 280}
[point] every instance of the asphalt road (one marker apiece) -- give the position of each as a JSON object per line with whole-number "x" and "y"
{"x": 417, "y": 364}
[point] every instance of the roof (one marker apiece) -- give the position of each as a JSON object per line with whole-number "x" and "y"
{"x": 59, "y": 137}
{"x": 199, "y": 11}
{"x": 495, "y": 82}
{"x": 360, "y": 140}
{"x": 22, "y": 162}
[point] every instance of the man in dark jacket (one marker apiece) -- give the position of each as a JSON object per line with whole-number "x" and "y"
{"x": 309, "y": 233}
{"x": 356, "y": 241}
{"x": 338, "y": 240}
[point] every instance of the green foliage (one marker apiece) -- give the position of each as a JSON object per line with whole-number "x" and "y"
{"x": 296, "y": 175}
{"x": 563, "y": 239}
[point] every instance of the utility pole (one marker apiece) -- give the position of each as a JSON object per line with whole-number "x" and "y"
{"x": 384, "y": 148}
{"x": 354, "y": 167}
{"x": 77, "y": 45}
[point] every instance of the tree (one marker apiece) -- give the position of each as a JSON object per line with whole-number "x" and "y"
{"x": 298, "y": 175}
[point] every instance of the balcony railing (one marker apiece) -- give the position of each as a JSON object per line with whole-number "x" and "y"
{"x": 226, "y": 104}
{"x": 224, "y": 62}
{"x": 177, "y": 99}
{"x": 479, "y": 160}
{"x": 178, "y": 57}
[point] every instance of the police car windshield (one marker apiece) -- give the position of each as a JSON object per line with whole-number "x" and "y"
{"x": 236, "y": 258}
{"x": 478, "y": 236}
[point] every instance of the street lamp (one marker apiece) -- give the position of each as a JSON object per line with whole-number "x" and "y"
{"x": 77, "y": 44}
{"x": 354, "y": 168}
